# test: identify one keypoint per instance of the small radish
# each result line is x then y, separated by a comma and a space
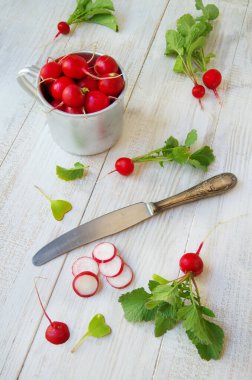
85, 264
124, 166
74, 110
113, 267
59, 85
104, 252
58, 105
56, 332
112, 84
73, 96
63, 28
51, 70
89, 83
191, 262
105, 65
198, 91
96, 101
76, 67
212, 79
123, 280
85, 284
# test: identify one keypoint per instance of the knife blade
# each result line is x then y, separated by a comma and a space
129, 216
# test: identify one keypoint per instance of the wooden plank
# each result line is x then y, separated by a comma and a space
26, 223
154, 112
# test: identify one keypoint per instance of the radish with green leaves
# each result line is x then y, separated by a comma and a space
169, 302
170, 152
188, 42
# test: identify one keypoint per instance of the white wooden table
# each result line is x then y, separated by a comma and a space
158, 104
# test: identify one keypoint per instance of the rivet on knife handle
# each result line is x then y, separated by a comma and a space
209, 188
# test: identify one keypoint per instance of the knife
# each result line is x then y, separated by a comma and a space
126, 217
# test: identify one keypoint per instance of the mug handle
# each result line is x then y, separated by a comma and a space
24, 82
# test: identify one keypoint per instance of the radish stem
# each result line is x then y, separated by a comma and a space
79, 343
43, 193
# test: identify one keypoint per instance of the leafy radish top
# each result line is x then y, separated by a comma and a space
187, 44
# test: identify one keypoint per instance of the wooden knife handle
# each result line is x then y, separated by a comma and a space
209, 188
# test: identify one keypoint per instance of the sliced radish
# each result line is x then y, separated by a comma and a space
104, 252
123, 279
85, 264
85, 284
113, 267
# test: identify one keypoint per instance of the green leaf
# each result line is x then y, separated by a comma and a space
191, 138
163, 324
211, 12
60, 208
184, 24
179, 65
105, 4
174, 42
199, 4
106, 20
199, 43
152, 284
133, 304
171, 142
98, 12
180, 154
208, 312
194, 322
77, 171
204, 156
167, 293
160, 280
97, 328
214, 348
196, 31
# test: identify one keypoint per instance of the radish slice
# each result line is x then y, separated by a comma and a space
104, 252
85, 284
123, 279
113, 267
85, 264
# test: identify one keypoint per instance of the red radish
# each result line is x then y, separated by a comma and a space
74, 110
124, 166
112, 84
104, 252
59, 85
89, 83
73, 96
105, 65
58, 105
212, 79
85, 264
96, 101
198, 91
85, 284
123, 279
56, 332
76, 67
112, 268
51, 70
63, 28
191, 262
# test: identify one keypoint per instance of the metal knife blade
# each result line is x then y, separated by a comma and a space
98, 228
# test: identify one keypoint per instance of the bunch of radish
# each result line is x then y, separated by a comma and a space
75, 85
105, 260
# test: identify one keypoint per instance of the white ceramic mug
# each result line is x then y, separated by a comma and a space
78, 134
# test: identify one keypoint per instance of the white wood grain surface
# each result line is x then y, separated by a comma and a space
158, 103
